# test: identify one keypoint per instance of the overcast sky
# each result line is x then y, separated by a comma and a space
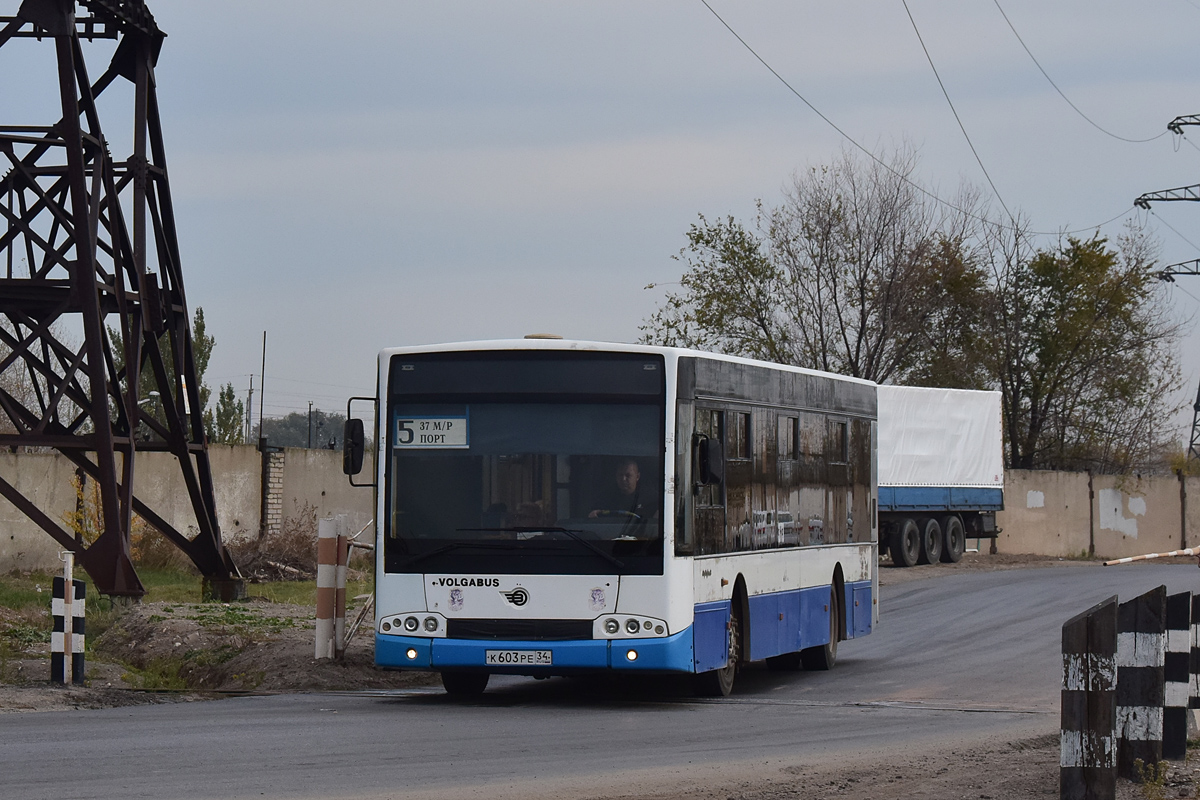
358, 175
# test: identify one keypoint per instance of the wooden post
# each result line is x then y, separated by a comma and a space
1176, 675
1141, 629
1088, 765
67, 606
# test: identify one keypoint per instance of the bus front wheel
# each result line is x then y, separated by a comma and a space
465, 684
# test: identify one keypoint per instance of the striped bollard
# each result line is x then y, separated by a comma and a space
333, 547
1141, 628
67, 638
339, 603
1088, 765
326, 586
1176, 676
1194, 669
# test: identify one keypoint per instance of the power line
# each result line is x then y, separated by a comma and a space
1045, 75
953, 110
1172, 227
880, 161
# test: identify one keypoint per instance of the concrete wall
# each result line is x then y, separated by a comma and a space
312, 476
1049, 513
1046, 513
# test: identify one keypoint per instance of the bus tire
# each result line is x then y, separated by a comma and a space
905, 544
955, 539
719, 682
931, 540
823, 656
465, 684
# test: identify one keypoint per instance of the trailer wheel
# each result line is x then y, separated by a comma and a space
905, 545
823, 656
955, 539
931, 541
465, 684
719, 682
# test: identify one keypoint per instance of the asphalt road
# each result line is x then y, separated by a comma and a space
964, 656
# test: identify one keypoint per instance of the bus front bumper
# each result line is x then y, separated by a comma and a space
666, 654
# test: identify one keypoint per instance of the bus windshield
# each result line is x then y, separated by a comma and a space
572, 485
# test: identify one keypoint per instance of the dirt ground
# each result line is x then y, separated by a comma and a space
180, 652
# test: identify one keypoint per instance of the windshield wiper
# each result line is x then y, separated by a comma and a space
501, 544
573, 534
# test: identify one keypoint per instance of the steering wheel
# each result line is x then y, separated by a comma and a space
612, 512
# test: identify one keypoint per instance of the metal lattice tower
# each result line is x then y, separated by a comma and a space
1168, 274
1188, 194
88, 251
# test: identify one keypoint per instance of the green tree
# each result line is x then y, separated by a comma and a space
292, 430
1083, 351
202, 347
229, 416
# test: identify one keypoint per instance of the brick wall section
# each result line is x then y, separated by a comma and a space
272, 500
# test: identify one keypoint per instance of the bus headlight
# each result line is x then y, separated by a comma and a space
411, 624
632, 626
411, 653
431, 624
631, 655
387, 626
612, 627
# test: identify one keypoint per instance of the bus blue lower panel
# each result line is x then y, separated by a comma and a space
669, 654
710, 626
785, 622
939, 498
858, 603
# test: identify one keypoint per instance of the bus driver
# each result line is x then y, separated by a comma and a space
625, 500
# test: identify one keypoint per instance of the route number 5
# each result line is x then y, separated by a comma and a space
403, 432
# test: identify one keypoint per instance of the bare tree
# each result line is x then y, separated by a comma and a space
858, 272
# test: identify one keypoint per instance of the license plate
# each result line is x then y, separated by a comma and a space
518, 658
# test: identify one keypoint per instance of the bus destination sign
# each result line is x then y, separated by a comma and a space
430, 433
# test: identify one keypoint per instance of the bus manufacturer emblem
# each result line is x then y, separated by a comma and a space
518, 596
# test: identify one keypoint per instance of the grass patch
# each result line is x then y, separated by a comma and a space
161, 674
304, 593
237, 618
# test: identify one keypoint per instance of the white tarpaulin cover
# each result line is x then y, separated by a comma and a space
940, 437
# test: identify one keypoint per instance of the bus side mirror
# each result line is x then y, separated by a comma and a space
712, 461
353, 445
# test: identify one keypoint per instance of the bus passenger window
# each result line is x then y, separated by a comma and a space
787, 438
739, 436
839, 443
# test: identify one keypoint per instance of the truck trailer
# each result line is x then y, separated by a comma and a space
941, 471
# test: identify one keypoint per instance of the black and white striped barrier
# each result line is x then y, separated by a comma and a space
67, 638
1194, 667
1141, 646
1089, 681
1176, 676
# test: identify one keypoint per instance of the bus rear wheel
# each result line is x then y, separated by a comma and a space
465, 684
719, 682
905, 545
822, 657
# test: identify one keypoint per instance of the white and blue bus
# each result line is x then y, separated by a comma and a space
552, 507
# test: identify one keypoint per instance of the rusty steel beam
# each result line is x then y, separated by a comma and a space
92, 308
